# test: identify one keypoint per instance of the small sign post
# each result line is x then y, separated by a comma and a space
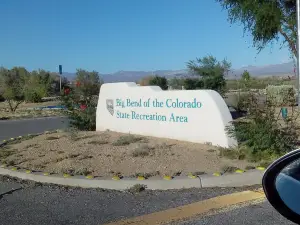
284, 112
60, 73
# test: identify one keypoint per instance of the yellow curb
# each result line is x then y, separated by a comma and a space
116, 178
46, 174
167, 178
140, 178
217, 174
239, 171
192, 176
66, 175
260, 168
89, 177
14, 169
28, 171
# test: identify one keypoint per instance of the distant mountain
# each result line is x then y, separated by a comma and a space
131, 76
284, 69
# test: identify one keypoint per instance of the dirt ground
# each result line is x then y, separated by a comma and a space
107, 153
24, 110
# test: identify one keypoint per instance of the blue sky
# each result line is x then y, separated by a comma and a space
113, 35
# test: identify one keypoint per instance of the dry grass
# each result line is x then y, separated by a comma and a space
107, 153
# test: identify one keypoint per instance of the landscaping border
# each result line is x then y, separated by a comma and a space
237, 179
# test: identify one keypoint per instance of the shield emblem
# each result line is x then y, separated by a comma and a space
110, 106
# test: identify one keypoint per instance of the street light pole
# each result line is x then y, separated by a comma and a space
60, 82
298, 52
60, 73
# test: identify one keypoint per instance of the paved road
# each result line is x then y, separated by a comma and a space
44, 204
13, 128
258, 214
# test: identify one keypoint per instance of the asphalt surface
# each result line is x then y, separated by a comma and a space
260, 214
14, 128
44, 204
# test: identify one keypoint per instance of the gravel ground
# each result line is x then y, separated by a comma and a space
106, 153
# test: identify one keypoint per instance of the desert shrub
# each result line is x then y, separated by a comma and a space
84, 119
137, 188
82, 171
242, 102
127, 140
162, 82
142, 150
229, 169
239, 100
262, 134
283, 95
98, 142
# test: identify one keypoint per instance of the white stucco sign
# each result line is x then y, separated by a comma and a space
190, 115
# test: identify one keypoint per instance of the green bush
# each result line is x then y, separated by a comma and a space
81, 102
262, 135
35, 94
283, 95
81, 113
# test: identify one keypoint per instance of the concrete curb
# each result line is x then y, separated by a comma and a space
203, 181
248, 178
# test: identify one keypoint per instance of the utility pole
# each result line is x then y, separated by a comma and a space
298, 52
60, 73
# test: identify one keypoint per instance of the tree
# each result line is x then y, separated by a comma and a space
38, 85
246, 79
210, 72
162, 82
89, 82
266, 20
12, 84
192, 83
246, 76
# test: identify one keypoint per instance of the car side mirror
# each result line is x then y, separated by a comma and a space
281, 184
